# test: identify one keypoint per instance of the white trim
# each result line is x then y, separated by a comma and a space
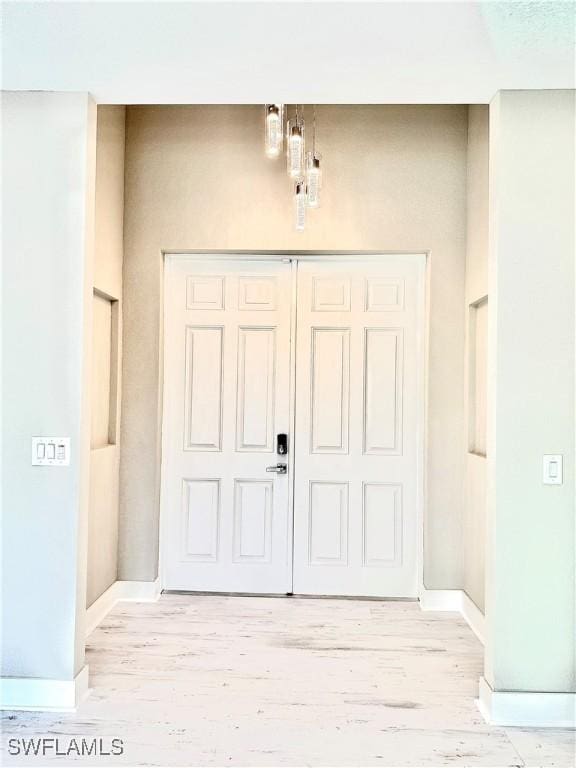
440, 599
128, 591
33, 694
527, 709
101, 607
422, 384
454, 600
320, 255
474, 617
139, 591
292, 416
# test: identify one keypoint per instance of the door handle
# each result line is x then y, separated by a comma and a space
281, 469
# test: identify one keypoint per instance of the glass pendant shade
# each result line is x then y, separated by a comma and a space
274, 129
295, 148
300, 205
304, 167
313, 179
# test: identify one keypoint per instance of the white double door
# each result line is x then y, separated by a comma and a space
324, 351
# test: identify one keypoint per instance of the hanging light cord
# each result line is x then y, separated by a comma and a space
313, 130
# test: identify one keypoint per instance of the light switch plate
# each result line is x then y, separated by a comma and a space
50, 451
552, 469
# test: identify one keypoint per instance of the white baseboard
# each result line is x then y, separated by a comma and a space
530, 710
132, 591
139, 591
454, 600
474, 616
101, 607
30, 694
441, 600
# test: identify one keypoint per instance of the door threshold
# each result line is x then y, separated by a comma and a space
291, 595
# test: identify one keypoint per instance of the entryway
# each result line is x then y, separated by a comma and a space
292, 427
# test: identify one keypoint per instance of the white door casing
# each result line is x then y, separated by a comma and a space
356, 492
231, 384
227, 521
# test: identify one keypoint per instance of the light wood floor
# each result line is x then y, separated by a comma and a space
237, 681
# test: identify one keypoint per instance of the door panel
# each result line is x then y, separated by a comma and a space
256, 393
356, 442
253, 520
330, 390
383, 368
226, 521
201, 513
382, 524
203, 388
328, 523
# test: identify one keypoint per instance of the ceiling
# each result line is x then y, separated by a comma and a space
309, 52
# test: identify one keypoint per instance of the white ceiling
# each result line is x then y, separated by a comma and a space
323, 52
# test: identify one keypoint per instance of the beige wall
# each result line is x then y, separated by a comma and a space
197, 178
474, 513
105, 453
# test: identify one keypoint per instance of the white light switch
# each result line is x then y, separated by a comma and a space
51, 451
552, 469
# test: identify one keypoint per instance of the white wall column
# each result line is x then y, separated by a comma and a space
48, 157
530, 670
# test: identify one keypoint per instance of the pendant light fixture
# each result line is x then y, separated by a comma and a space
313, 170
274, 129
303, 167
295, 147
300, 198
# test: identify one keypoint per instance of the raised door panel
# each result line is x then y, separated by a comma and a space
201, 513
383, 374
328, 523
330, 390
203, 389
257, 293
253, 521
256, 389
382, 524
205, 292
384, 294
330, 294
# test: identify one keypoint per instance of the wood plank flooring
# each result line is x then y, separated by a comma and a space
244, 681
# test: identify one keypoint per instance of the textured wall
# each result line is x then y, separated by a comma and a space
108, 253
474, 515
196, 177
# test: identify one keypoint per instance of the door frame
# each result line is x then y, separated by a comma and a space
422, 260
